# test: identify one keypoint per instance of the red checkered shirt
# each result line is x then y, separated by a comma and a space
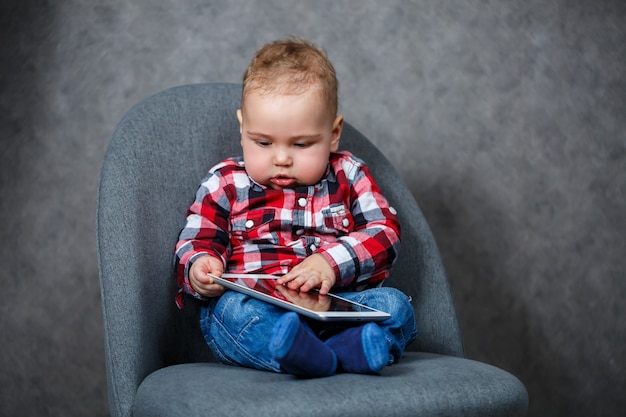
256, 229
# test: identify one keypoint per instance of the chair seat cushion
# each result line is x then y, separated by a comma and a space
421, 384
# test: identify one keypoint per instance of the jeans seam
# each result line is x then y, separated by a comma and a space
240, 348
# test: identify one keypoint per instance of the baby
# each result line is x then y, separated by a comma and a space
295, 206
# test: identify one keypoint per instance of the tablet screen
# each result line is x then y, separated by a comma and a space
312, 302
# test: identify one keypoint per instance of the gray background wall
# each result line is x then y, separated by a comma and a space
506, 118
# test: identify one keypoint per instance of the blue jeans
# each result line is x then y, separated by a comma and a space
238, 328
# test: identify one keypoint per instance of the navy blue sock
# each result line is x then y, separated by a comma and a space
361, 350
298, 351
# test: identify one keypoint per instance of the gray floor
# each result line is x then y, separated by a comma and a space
506, 118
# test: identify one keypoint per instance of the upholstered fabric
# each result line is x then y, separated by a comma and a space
159, 153
423, 384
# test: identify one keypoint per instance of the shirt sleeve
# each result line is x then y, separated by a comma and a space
205, 231
364, 257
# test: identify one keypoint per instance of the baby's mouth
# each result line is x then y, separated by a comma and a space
283, 181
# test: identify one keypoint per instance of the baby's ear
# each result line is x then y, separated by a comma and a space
336, 133
240, 118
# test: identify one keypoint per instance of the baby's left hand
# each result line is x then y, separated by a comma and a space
314, 272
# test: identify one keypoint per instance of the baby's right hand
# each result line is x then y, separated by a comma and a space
199, 279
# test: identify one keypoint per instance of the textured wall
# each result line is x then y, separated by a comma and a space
506, 119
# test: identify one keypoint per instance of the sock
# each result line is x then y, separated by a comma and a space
298, 351
360, 350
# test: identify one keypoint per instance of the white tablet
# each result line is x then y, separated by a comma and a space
311, 304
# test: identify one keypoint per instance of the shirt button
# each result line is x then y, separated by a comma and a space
249, 223
393, 210
300, 232
302, 202
345, 222
312, 247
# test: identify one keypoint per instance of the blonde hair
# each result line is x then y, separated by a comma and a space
292, 66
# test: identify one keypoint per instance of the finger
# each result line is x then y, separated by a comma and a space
203, 281
308, 284
288, 277
201, 288
215, 290
325, 287
216, 268
296, 283
201, 276
309, 281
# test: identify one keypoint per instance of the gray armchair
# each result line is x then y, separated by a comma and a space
156, 359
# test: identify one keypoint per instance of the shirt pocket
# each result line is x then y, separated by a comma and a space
337, 219
254, 225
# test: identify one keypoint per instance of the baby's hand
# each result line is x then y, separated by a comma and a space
201, 282
314, 272
311, 300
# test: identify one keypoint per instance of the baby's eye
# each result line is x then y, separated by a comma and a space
263, 143
301, 144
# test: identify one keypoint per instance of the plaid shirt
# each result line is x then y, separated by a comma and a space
256, 229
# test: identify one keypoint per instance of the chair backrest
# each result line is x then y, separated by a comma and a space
160, 151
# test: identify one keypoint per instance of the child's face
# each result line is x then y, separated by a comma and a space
287, 139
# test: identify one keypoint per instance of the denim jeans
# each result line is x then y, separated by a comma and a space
238, 327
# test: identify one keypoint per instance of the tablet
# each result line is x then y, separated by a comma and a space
312, 304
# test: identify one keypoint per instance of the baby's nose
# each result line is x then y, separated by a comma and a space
282, 157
